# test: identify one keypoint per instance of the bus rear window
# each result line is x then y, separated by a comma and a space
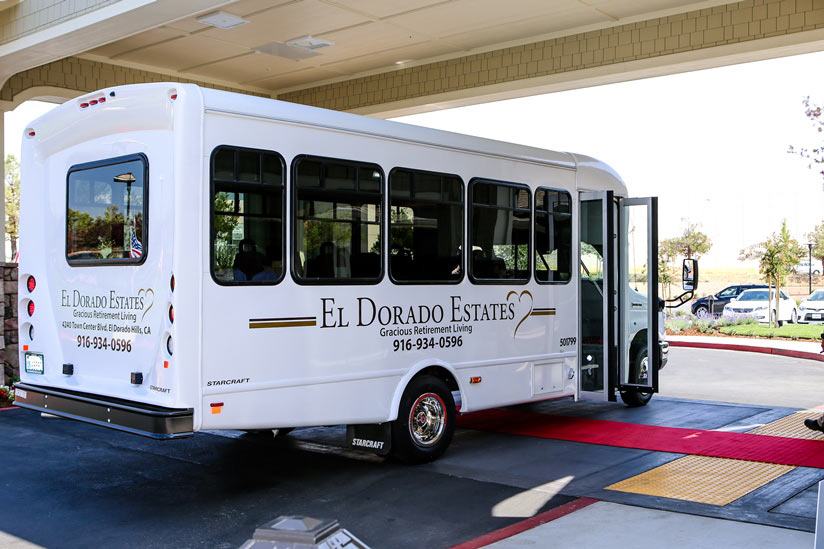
106, 217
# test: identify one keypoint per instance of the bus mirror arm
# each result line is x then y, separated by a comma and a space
680, 300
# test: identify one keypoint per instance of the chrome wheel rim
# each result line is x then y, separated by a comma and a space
644, 373
427, 420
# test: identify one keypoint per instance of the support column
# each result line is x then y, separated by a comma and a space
3, 179
6, 303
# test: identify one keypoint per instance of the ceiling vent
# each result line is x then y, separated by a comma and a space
308, 43
297, 49
222, 20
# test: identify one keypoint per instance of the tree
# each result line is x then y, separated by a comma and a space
817, 238
815, 154
12, 201
776, 256
691, 244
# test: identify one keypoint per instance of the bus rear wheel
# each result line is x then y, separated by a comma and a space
426, 421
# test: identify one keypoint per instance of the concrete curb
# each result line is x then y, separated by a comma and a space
751, 348
528, 524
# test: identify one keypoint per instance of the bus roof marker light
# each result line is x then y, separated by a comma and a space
29, 133
83, 105
93, 102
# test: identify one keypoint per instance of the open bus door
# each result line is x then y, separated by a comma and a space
618, 298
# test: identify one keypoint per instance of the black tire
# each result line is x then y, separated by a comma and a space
701, 310
634, 397
794, 317
426, 421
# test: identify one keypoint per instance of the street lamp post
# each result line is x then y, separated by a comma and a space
810, 271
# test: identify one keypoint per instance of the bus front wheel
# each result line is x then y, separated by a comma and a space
633, 397
426, 421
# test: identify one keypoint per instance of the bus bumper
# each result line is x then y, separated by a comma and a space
124, 415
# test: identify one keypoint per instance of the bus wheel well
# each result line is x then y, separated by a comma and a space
638, 342
440, 373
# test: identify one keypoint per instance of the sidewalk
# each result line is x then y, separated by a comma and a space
810, 350
605, 524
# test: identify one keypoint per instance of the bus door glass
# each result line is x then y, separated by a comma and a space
596, 294
638, 291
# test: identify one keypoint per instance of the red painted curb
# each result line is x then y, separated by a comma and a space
734, 347
528, 524
10, 408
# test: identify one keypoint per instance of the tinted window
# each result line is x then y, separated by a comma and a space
499, 237
247, 216
106, 214
425, 226
337, 221
553, 236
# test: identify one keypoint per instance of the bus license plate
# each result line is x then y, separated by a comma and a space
34, 363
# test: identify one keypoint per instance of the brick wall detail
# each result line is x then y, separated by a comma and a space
8, 343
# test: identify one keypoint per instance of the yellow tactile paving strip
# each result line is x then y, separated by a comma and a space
791, 426
715, 481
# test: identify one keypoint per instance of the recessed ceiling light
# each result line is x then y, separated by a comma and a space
403, 62
309, 43
222, 20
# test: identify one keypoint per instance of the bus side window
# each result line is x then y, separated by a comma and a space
500, 222
247, 190
425, 227
553, 236
337, 221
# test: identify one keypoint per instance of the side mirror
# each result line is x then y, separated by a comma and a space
689, 277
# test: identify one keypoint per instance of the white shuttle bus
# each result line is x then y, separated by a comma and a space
195, 259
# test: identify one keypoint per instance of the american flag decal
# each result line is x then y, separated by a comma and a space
136, 247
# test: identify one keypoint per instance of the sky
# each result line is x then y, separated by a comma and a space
711, 144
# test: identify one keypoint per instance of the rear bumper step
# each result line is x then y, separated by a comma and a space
124, 415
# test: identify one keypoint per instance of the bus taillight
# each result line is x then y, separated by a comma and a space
30, 308
171, 314
172, 283
31, 283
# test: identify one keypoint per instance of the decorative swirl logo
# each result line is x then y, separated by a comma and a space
520, 296
144, 292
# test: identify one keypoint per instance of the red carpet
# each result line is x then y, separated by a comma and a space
763, 448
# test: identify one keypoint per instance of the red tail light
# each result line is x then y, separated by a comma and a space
31, 283
172, 283
171, 314
30, 308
